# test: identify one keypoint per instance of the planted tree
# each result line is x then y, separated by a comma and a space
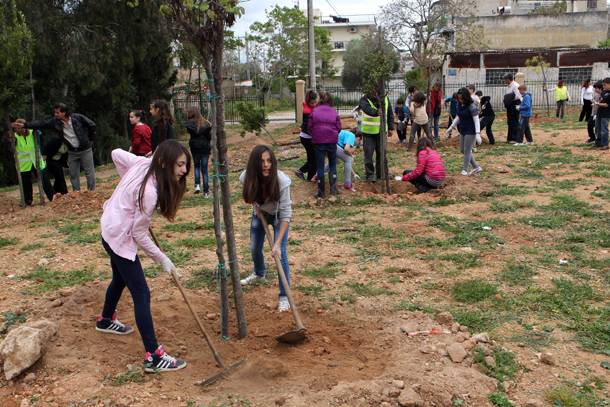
202, 23
429, 29
539, 63
252, 119
15, 62
369, 64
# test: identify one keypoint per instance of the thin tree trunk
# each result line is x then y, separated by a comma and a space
223, 169
11, 143
38, 169
221, 269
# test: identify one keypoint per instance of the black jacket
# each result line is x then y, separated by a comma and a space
84, 128
486, 109
366, 108
160, 134
200, 138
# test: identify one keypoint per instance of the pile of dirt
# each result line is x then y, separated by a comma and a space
78, 202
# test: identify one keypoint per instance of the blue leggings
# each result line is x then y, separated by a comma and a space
127, 273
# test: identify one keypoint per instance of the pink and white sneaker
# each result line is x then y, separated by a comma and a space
160, 361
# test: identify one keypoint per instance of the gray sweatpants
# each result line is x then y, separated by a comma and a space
84, 160
467, 141
348, 161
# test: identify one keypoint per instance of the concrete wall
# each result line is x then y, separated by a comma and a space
529, 31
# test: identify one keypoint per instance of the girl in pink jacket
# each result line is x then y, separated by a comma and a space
146, 184
430, 170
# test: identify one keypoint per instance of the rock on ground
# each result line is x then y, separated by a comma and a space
24, 345
409, 398
457, 352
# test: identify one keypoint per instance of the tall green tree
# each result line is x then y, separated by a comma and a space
15, 62
279, 41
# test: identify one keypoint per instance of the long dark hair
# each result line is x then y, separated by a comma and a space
326, 98
195, 115
164, 119
586, 83
257, 188
464, 93
424, 142
310, 97
169, 191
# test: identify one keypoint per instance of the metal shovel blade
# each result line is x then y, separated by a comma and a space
292, 337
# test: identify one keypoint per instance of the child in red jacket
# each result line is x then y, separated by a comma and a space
430, 170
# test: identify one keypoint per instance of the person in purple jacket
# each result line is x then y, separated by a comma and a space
146, 184
324, 126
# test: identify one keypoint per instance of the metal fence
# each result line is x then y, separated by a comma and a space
345, 100
182, 102
535, 88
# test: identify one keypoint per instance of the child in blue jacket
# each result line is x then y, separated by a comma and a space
525, 112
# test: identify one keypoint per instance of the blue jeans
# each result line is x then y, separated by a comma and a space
201, 165
322, 151
602, 139
257, 240
127, 273
434, 125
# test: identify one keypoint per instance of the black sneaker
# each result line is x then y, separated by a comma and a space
160, 361
300, 174
112, 326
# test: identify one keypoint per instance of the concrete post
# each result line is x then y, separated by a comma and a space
520, 78
299, 99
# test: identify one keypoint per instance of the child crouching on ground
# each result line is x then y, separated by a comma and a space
430, 170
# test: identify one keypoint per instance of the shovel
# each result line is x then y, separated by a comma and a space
297, 335
226, 370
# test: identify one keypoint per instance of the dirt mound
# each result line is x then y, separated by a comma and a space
78, 202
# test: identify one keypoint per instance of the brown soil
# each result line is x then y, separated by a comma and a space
353, 351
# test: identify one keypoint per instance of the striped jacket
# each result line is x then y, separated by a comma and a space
429, 163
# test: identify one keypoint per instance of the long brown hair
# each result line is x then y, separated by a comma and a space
195, 115
164, 119
424, 142
257, 188
169, 191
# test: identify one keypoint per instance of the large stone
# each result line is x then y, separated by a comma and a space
482, 337
24, 345
444, 318
409, 398
457, 352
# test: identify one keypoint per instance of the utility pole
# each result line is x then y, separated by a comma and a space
312, 46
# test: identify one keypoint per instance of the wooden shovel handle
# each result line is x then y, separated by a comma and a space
280, 269
217, 357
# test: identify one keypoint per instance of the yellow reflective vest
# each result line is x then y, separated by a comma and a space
561, 93
372, 124
26, 153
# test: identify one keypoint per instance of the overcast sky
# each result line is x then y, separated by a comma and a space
255, 9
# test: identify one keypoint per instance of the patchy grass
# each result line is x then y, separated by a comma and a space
499, 399
314, 290
194, 243
569, 395
188, 226
80, 233
510, 206
135, 374
329, 270
368, 290
477, 320
11, 318
201, 278
506, 367
472, 291
404, 305
516, 274
31, 246
8, 241
49, 280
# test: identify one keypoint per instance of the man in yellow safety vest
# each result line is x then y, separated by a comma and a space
26, 155
370, 129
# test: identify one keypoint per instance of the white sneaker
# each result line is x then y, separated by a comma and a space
529, 143
475, 171
197, 189
251, 279
283, 305
206, 195
464, 173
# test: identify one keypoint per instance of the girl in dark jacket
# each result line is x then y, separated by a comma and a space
309, 168
200, 131
163, 123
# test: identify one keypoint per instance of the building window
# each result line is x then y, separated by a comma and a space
496, 76
591, 4
339, 45
575, 75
